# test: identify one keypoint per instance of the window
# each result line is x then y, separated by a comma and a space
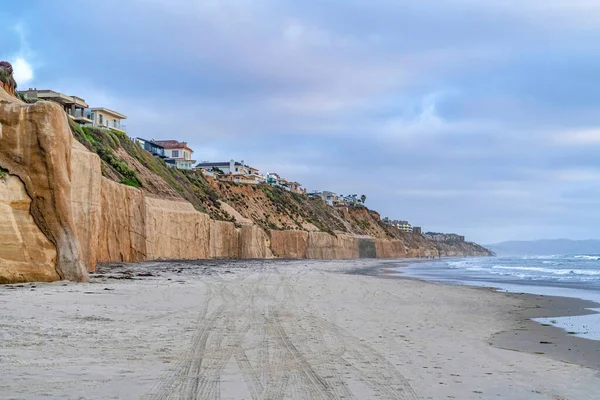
114, 123
174, 153
100, 119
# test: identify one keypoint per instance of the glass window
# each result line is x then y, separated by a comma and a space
100, 119
175, 153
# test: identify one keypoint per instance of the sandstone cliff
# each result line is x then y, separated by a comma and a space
66, 206
35, 147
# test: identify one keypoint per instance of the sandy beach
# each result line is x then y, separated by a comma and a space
283, 329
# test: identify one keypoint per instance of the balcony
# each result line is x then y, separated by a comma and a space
109, 125
78, 116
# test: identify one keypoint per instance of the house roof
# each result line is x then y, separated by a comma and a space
173, 144
47, 94
109, 111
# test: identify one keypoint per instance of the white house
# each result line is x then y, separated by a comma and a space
178, 153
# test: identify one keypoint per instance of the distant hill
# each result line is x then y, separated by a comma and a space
546, 247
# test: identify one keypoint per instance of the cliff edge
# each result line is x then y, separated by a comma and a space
35, 147
130, 206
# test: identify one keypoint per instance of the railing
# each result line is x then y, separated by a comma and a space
120, 127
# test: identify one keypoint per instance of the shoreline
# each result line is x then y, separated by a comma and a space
527, 335
300, 329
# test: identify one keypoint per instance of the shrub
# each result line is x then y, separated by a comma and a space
130, 182
103, 142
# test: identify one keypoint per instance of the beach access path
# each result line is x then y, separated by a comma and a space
268, 330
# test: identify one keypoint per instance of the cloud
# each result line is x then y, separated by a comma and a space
21, 59
578, 137
23, 72
466, 115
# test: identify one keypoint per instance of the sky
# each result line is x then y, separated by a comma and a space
468, 116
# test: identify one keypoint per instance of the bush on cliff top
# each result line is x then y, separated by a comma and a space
104, 143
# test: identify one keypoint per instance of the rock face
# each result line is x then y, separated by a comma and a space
35, 146
85, 201
122, 228
289, 244
175, 230
59, 216
25, 253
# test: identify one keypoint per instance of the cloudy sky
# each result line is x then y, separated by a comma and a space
470, 116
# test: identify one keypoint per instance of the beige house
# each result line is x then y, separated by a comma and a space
74, 106
106, 118
296, 187
241, 178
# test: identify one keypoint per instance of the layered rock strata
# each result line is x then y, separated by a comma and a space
59, 216
35, 146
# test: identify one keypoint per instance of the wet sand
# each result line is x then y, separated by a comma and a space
277, 329
537, 338
527, 335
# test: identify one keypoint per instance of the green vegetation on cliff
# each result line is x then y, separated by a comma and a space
104, 142
270, 207
127, 163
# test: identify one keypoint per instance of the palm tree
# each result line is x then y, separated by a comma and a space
363, 198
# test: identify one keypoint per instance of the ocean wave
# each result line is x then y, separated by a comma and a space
551, 271
549, 257
457, 264
585, 257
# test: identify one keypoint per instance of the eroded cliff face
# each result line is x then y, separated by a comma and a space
25, 252
85, 201
118, 223
59, 216
35, 146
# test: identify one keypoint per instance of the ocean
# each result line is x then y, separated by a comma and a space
576, 276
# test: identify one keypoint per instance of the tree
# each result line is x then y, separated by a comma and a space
363, 198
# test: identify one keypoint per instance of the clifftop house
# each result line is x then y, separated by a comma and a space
403, 226
228, 167
178, 153
78, 110
106, 118
329, 198
151, 146
232, 171
74, 106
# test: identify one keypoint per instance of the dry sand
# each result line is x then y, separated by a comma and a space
269, 330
